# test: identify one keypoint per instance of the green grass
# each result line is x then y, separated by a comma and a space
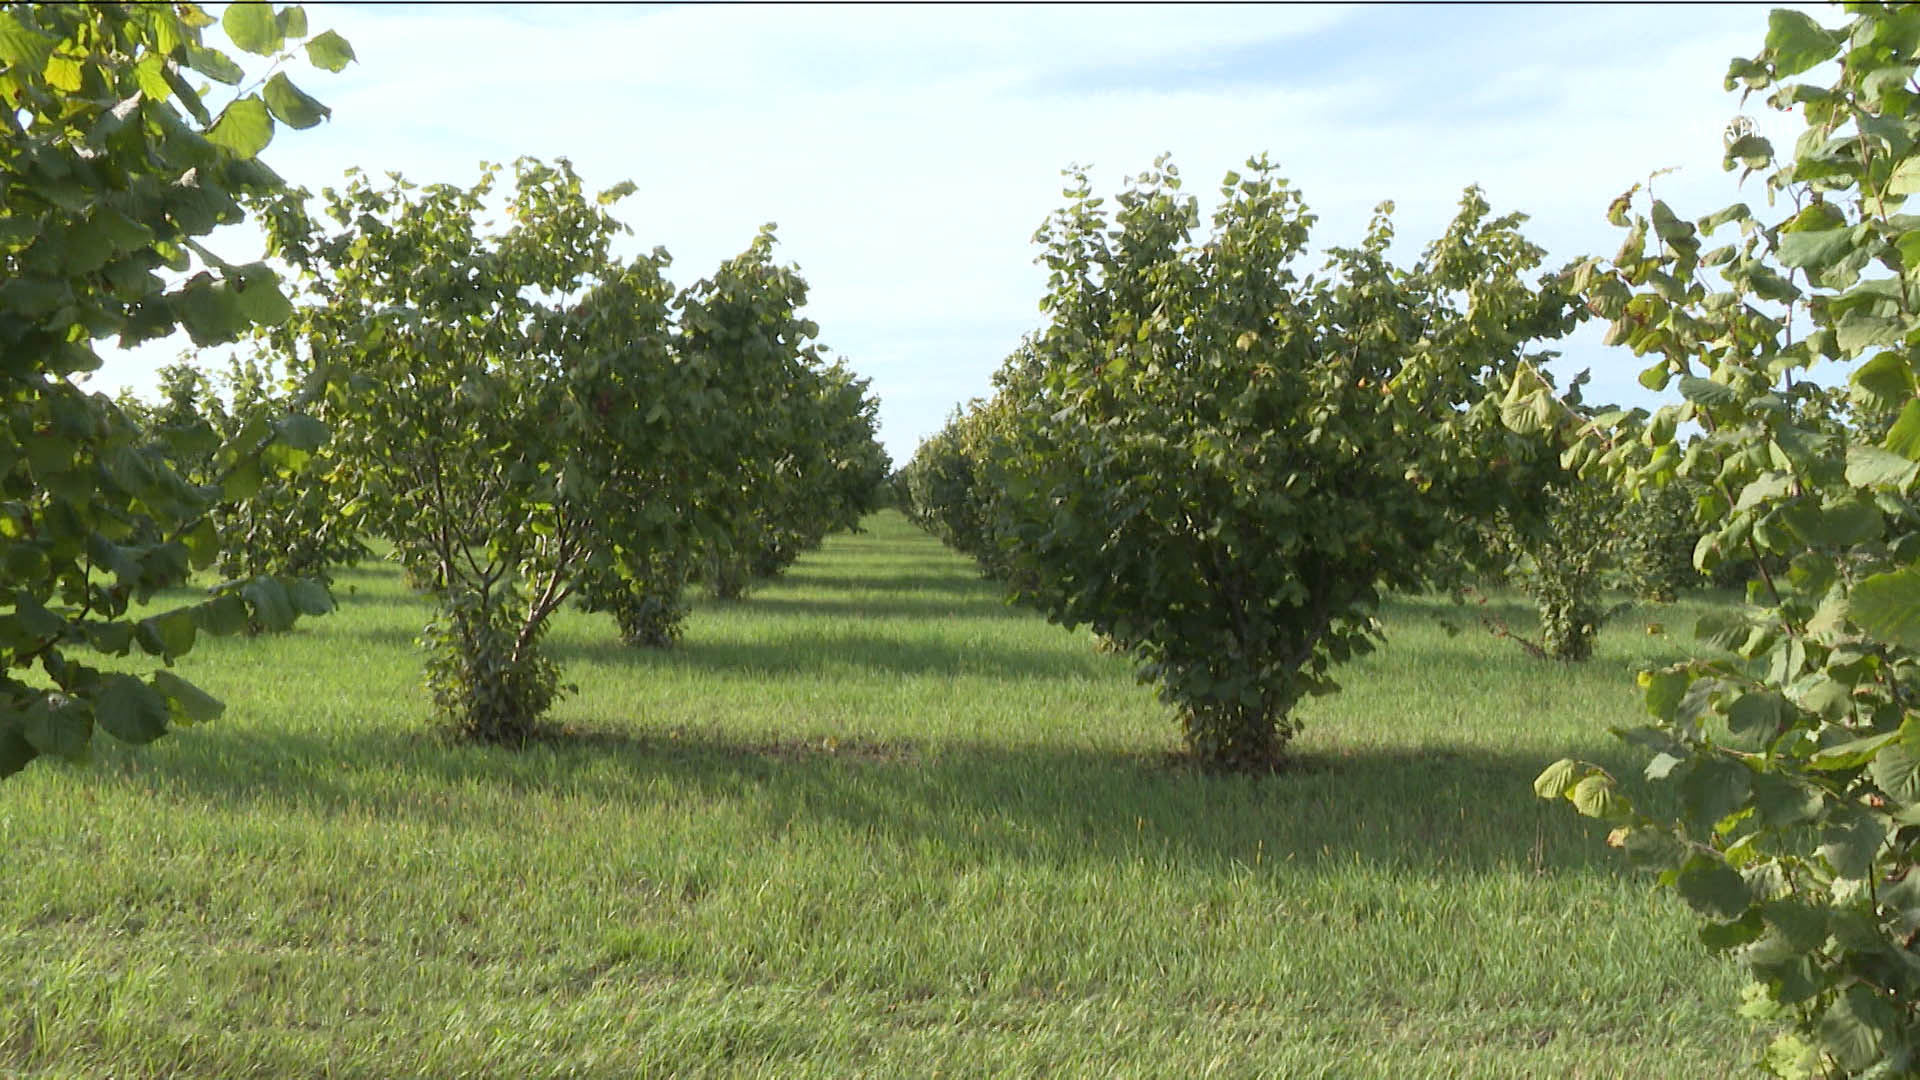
869, 821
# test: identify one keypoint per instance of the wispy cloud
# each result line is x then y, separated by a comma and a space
908, 153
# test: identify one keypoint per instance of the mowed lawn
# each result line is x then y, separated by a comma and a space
869, 821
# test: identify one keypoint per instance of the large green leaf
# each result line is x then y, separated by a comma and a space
1713, 888
1557, 779
309, 597
252, 27
1815, 249
173, 631
1872, 467
1857, 1026
1707, 392
330, 51
1859, 330
187, 703
1796, 42
1885, 380
300, 431
291, 105
23, 48
58, 725
1903, 437
1596, 797
1888, 606
1851, 841
1850, 754
271, 606
15, 751
129, 709
1896, 769
245, 127
1783, 801
261, 302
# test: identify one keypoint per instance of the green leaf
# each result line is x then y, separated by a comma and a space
21, 47
1850, 754
1557, 779
1896, 769
1595, 797
1721, 936
1714, 789
1857, 1025
244, 129
253, 27
214, 64
1872, 467
1852, 842
1905, 180
301, 432
187, 703
310, 597
1707, 392
1663, 691
1888, 606
1796, 42
1764, 489
1859, 330
1842, 524
330, 51
1735, 212
174, 630
58, 725
34, 618
291, 105
1713, 888
1815, 249
261, 302
223, 615
272, 608
1885, 380
1904, 437
1720, 629
1782, 801
15, 751
1759, 714
130, 710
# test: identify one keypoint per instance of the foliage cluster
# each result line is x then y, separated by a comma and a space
112, 166
1795, 755
1221, 464
529, 420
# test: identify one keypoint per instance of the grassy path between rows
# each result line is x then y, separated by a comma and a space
869, 821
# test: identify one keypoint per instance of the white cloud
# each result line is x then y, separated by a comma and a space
908, 153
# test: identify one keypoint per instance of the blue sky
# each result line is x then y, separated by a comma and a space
908, 153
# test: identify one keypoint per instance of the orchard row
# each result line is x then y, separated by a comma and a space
524, 419
1221, 462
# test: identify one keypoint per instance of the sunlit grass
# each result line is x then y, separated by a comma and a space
868, 821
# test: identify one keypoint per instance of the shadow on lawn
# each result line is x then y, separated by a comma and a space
816, 652
1452, 810
967, 587
964, 607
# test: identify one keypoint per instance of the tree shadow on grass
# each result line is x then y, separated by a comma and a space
974, 588
966, 607
815, 652
1447, 811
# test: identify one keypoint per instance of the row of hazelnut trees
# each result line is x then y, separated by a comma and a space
1221, 464
524, 419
